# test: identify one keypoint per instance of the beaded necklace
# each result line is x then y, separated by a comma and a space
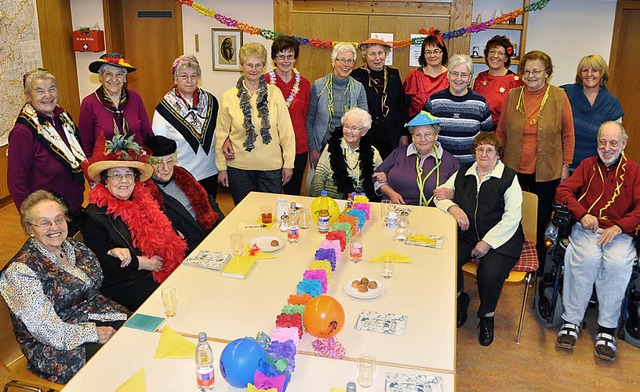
520, 106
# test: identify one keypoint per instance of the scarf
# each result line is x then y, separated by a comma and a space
196, 194
71, 156
341, 178
262, 103
151, 230
120, 124
378, 81
195, 123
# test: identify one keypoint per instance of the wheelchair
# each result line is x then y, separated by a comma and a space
548, 297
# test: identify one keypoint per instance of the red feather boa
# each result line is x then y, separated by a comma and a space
150, 228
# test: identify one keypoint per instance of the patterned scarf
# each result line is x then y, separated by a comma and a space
120, 124
262, 103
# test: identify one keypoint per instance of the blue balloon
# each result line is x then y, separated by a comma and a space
239, 361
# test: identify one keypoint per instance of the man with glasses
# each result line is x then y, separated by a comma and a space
463, 113
603, 195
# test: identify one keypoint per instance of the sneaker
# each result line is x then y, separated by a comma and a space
568, 336
605, 346
485, 333
463, 305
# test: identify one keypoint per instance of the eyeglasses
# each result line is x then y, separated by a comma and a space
111, 75
118, 177
482, 150
283, 57
494, 52
185, 77
533, 72
461, 75
430, 52
345, 61
161, 162
612, 143
47, 224
423, 135
352, 128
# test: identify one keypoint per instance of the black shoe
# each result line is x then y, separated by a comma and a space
463, 305
485, 333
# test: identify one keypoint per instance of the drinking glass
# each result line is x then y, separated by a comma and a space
305, 218
169, 301
266, 214
384, 210
366, 370
387, 265
237, 244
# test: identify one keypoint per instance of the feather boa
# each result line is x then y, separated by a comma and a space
196, 194
341, 178
150, 229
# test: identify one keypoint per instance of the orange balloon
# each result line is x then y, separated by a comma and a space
323, 316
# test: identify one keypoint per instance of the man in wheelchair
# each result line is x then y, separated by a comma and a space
603, 195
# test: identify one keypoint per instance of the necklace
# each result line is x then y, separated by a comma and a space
296, 84
521, 108
485, 173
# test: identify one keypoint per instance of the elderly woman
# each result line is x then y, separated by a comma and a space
486, 203
124, 225
331, 96
192, 211
44, 148
495, 83
112, 108
347, 164
411, 173
187, 114
536, 130
51, 287
431, 76
463, 113
385, 96
263, 161
592, 104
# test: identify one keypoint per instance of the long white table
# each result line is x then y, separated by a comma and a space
424, 290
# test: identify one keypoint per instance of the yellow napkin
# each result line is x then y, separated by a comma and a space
252, 388
259, 221
259, 254
397, 257
173, 345
137, 383
421, 238
336, 389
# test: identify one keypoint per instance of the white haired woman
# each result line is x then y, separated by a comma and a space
331, 96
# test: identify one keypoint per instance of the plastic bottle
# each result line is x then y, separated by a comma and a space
355, 250
392, 219
323, 213
402, 227
351, 386
293, 224
204, 365
348, 208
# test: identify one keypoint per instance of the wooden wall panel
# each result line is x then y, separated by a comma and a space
4, 188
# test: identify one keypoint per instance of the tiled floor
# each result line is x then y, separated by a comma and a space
535, 364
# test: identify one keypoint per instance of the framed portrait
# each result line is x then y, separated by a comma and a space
226, 49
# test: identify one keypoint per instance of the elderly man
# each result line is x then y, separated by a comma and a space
192, 211
603, 196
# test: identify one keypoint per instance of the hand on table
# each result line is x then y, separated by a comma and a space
122, 254
460, 217
105, 333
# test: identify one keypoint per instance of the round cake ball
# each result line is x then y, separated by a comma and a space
275, 242
355, 284
362, 288
373, 285
364, 281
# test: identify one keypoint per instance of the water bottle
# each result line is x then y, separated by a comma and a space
204, 365
293, 224
351, 386
323, 213
402, 227
392, 219
355, 250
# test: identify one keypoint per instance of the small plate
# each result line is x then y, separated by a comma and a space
264, 243
372, 293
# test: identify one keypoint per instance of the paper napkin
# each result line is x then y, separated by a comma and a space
173, 345
397, 257
137, 383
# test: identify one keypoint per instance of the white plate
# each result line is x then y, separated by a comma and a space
372, 293
264, 243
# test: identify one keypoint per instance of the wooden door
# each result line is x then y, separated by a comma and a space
623, 79
149, 34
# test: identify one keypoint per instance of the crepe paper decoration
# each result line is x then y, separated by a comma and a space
329, 348
290, 309
294, 320
324, 265
313, 287
254, 250
263, 382
360, 215
366, 207
173, 345
341, 226
281, 355
327, 254
136, 383
320, 275
351, 220
252, 388
283, 334
360, 198
396, 256
272, 372
340, 235
300, 299
335, 245
263, 339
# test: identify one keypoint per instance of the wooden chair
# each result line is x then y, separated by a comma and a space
525, 269
13, 365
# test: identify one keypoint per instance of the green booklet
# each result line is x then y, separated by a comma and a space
144, 322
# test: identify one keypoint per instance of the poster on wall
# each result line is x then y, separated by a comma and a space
386, 37
414, 51
226, 49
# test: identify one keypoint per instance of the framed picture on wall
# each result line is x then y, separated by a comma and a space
226, 49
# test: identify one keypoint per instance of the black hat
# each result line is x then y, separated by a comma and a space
160, 146
113, 59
